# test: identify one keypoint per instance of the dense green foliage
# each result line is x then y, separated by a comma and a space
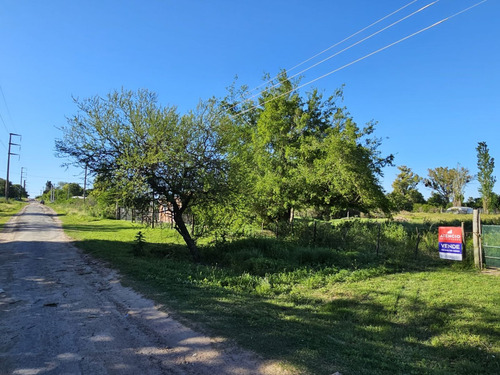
308, 152
16, 191
448, 184
64, 191
139, 149
228, 162
485, 165
321, 300
405, 193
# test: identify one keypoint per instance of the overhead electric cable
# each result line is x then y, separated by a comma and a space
3, 122
6, 106
368, 55
54, 177
338, 43
347, 48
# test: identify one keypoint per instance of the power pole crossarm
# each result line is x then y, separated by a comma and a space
8, 162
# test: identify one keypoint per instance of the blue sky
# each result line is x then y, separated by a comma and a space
435, 95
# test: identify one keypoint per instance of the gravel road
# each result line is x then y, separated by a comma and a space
62, 312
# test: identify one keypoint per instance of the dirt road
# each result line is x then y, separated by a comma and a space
61, 312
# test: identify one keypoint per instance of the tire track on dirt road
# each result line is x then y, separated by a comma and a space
63, 312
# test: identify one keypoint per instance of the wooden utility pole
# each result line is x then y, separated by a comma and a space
23, 175
476, 235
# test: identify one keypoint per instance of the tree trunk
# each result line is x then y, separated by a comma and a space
180, 226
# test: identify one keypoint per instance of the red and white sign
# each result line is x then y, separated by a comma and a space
450, 243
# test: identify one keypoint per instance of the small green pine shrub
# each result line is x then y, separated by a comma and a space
138, 248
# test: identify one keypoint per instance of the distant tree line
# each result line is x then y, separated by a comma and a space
62, 191
448, 185
16, 191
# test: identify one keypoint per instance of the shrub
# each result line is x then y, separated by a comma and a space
138, 248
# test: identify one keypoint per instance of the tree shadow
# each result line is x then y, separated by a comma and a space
95, 227
353, 336
348, 333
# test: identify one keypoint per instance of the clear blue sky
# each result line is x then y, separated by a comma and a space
435, 95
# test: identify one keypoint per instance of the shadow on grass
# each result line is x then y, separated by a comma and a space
6, 214
350, 336
382, 331
95, 227
113, 250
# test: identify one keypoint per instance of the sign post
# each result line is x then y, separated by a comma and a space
450, 243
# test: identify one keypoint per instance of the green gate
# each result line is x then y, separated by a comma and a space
491, 245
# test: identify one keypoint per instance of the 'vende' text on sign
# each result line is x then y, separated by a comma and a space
450, 243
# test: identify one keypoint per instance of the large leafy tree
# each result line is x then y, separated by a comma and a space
405, 192
406, 180
485, 165
274, 146
448, 183
129, 140
440, 180
306, 151
344, 167
460, 180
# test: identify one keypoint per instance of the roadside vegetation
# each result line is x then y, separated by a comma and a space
332, 304
262, 218
9, 208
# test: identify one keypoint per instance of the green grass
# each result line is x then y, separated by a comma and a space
318, 309
7, 209
445, 218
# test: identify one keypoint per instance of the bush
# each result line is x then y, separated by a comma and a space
425, 207
138, 248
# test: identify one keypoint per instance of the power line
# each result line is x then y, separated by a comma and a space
368, 55
6, 106
65, 178
4, 125
338, 43
347, 48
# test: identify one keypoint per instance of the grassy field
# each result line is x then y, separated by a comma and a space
317, 309
7, 209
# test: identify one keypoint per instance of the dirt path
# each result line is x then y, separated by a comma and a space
61, 312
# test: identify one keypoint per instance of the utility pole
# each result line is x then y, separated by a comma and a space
23, 171
8, 162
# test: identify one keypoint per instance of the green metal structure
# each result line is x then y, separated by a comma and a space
491, 245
